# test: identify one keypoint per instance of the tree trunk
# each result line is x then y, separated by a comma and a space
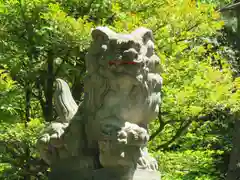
233, 172
27, 113
49, 89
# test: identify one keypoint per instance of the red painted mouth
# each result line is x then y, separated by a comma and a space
120, 62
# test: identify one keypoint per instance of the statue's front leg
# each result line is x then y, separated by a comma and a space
122, 147
146, 161
50, 142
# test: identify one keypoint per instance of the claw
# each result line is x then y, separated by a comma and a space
147, 162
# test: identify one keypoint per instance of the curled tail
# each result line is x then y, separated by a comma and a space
66, 107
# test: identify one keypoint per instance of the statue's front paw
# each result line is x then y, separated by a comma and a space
53, 133
147, 162
132, 134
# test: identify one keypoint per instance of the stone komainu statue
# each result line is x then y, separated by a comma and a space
108, 130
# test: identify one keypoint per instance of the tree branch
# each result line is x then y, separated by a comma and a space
179, 132
183, 129
230, 7
161, 127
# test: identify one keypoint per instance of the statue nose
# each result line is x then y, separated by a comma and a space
130, 54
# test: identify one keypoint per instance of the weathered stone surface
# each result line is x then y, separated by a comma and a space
105, 174
107, 134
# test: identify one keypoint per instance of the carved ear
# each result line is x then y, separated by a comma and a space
144, 33
102, 34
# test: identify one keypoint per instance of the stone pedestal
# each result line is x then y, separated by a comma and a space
104, 174
146, 175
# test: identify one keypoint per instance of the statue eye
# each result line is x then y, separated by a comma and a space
124, 47
137, 47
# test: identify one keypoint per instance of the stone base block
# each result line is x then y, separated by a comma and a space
105, 174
